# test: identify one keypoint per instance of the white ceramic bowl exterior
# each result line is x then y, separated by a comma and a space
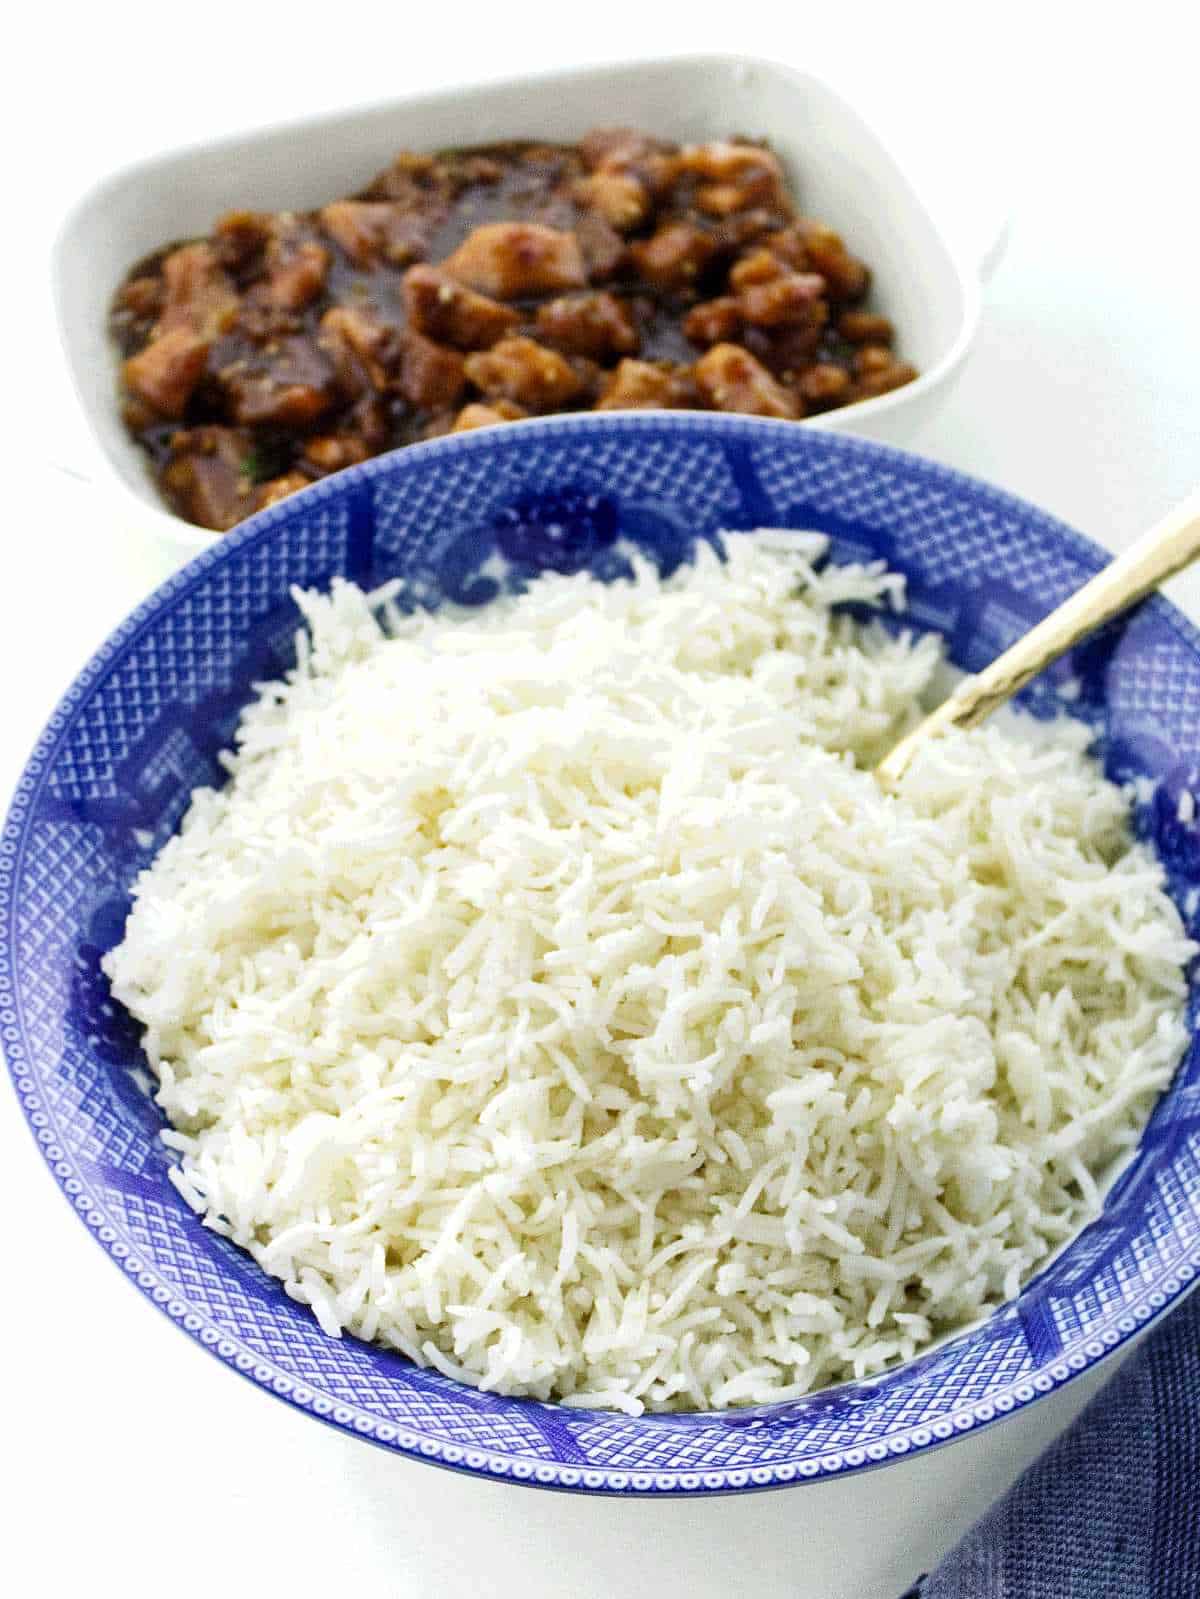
838, 164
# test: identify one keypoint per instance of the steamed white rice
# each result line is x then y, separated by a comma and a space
552, 995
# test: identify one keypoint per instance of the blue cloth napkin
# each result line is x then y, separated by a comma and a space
1112, 1510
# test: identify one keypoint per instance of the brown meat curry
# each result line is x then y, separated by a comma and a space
482, 286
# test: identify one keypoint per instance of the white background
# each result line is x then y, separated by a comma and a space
137, 1461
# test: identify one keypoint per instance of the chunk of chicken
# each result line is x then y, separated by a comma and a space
515, 260
620, 198
632, 154
792, 298
826, 253
713, 321
198, 294
376, 230
787, 246
865, 327
613, 148
869, 358
760, 265
675, 255
788, 350
478, 415
604, 250
727, 160
208, 477
330, 452
730, 379
278, 488
877, 371
166, 372
444, 310
362, 346
431, 376
884, 380
646, 386
597, 325
289, 383
408, 179
296, 273
141, 297
241, 237
824, 384
746, 229
740, 177
522, 370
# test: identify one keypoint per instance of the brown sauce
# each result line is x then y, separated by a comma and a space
480, 286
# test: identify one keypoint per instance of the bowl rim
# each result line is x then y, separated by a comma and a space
1124, 1324
153, 513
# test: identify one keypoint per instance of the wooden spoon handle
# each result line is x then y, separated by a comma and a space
1167, 548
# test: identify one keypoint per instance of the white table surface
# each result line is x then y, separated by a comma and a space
135, 1460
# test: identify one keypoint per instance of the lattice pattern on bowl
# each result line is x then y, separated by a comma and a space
143, 723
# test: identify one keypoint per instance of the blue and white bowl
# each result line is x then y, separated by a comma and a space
142, 725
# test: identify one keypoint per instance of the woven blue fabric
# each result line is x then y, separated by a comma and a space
1112, 1510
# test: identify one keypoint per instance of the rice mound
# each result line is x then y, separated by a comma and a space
552, 994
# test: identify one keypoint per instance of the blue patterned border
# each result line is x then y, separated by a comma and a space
139, 727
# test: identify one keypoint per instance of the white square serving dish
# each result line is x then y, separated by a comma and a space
838, 165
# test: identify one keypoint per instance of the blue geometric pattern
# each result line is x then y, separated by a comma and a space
458, 518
